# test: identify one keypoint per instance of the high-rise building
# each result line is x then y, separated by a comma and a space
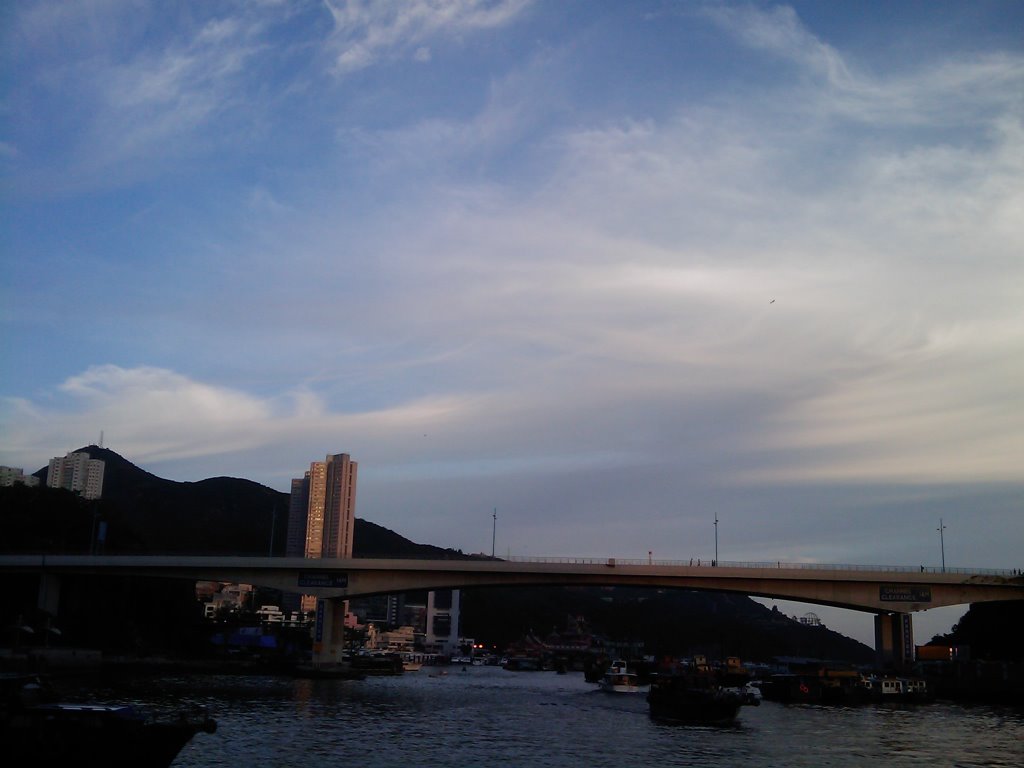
298, 507
322, 511
77, 472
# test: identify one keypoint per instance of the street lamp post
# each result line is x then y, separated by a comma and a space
716, 538
942, 544
494, 530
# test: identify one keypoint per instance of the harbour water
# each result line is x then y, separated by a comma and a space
486, 717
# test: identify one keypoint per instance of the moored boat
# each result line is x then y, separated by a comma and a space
895, 689
37, 729
845, 687
618, 678
377, 663
693, 693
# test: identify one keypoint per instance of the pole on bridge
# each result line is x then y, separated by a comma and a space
494, 531
942, 544
716, 538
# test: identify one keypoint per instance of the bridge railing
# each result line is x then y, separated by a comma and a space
777, 564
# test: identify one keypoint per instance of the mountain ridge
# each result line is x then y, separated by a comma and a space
225, 516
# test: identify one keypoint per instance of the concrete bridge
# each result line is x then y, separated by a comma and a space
892, 593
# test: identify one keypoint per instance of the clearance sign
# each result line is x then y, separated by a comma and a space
319, 579
904, 593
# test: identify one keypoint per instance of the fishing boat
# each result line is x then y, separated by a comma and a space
823, 685
692, 692
37, 729
618, 678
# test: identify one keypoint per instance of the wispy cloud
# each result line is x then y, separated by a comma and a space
914, 95
366, 31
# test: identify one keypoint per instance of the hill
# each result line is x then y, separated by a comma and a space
992, 631
669, 622
146, 514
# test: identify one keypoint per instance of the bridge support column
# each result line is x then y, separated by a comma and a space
894, 640
329, 631
48, 599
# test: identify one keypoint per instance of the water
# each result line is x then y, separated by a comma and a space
487, 717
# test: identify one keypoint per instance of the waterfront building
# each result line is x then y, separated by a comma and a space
400, 640
383, 610
77, 472
442, 635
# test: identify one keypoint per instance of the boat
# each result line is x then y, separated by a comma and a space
895, 689
734, 676
843, 686
692, 692
618, 678
377, 663
751, 693
38, 729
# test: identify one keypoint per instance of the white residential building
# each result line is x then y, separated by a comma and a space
77, 472
12, 475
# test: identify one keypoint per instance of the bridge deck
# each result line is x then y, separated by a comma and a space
879, 589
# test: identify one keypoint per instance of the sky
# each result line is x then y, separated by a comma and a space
564, 278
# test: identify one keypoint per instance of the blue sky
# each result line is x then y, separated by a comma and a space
608, 268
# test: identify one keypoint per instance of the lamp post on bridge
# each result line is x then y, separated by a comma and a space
716, 539
942, 544
494, 531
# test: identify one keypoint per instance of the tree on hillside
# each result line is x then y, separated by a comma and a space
993, 631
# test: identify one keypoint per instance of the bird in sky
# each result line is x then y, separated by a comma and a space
772, 301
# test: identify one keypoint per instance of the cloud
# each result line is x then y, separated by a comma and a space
155, 412
779, 31
365, 32
555, 298
919, 97
156, 415
124, 103
653, 248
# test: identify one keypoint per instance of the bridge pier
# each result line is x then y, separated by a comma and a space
48, 599
329, 631
894, 640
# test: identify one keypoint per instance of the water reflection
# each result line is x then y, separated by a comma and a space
488, 717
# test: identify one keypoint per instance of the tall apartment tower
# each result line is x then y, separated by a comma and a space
77, 472
322, 511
